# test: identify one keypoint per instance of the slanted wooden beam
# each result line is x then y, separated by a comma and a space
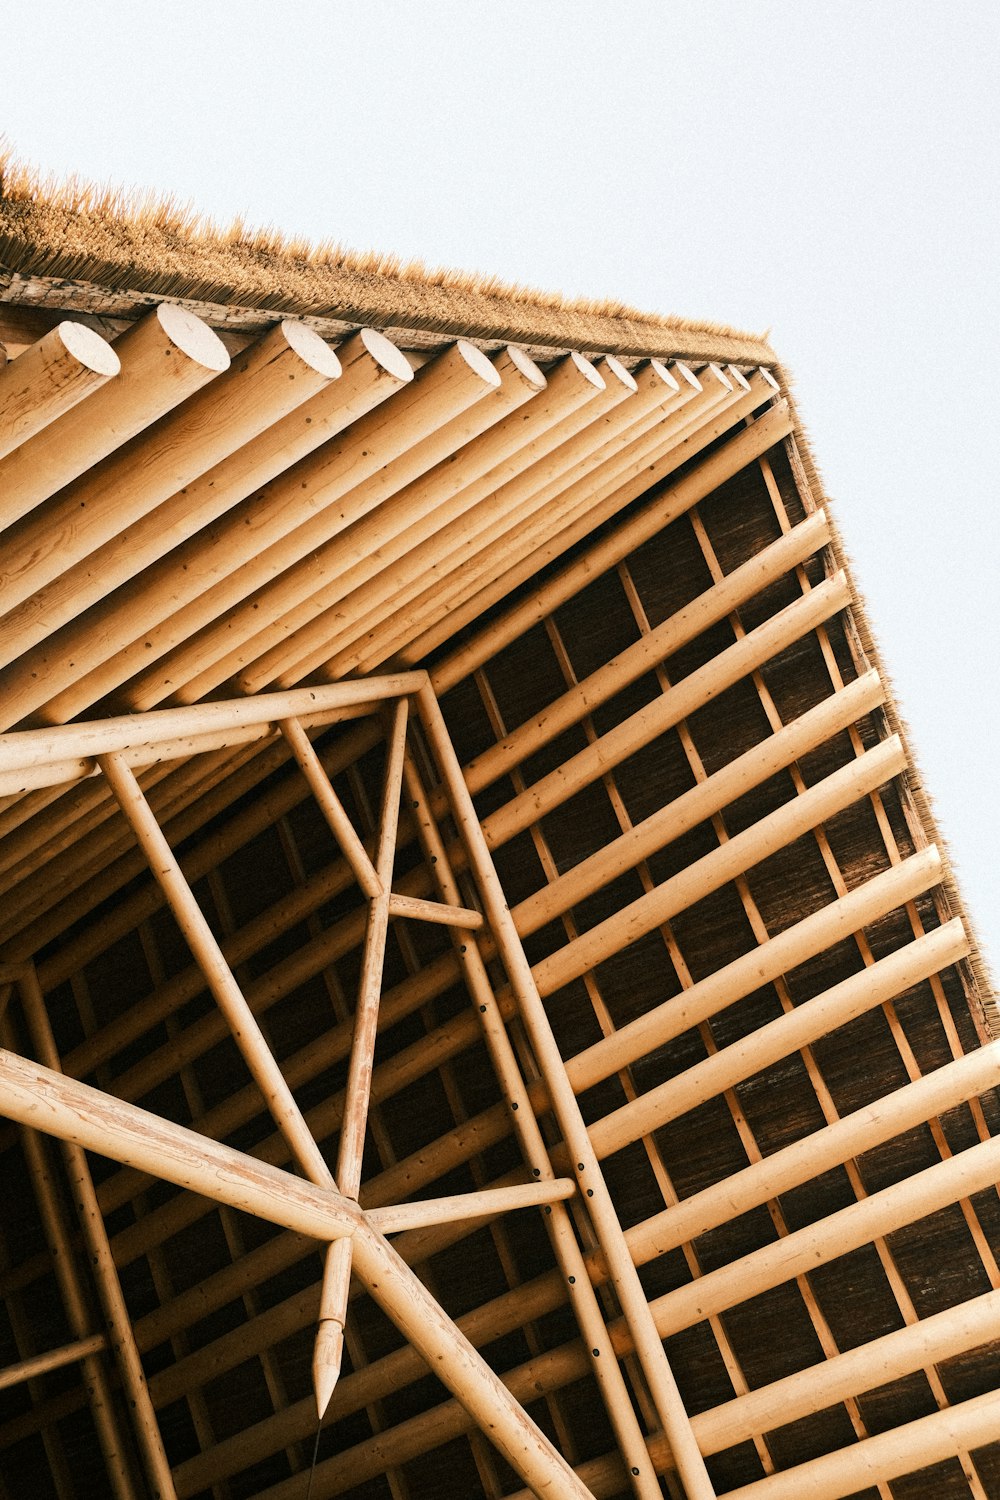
607, 1226
165, 357
464, 1208
48, 379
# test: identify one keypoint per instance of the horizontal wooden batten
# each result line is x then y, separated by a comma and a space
777, 1039
779, 955
876, 1460
739, 854
53, 1359
47, 380
676, 631
665, 712
940, 1336
701, 802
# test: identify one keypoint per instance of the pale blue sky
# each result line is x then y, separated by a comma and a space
828, 170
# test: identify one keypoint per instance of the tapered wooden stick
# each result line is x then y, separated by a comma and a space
53, 1359
165, 357
116, 1313
467, 1207
48, 379
350, 1151
606, 1224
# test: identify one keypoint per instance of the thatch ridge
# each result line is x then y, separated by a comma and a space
155, 245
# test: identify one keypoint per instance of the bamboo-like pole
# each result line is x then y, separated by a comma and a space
329, 1348
917, 1346
332, 808
718, 601
165, 357
53, 1359
774, 831
468, 1207
112, 736
678, 702
779, 955
635, 1308
574, 1277
48, 379
91, 537
102, 646
615, 482
383, 562
322, 552
303, 507
64, 1262
741, 449
122, 1339
700, 802
786, 1034
201, 940
876, 1460
936, 1187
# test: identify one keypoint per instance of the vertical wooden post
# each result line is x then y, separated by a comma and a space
337, 1271
663, 1388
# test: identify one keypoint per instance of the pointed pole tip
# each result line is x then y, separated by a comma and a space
327, 1358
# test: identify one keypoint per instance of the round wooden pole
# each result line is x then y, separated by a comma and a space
50, 378
165, 357
102, 647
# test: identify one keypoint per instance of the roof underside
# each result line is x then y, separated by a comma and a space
633, 611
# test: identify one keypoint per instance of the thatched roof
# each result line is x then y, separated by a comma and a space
697, 795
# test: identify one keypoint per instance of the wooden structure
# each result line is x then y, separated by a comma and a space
476, 956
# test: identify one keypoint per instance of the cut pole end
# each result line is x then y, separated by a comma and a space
619, 371
384, 352
193, 337
664, 374
311, 349
88, 348
688, 375
588, 370
526, 367
476, 360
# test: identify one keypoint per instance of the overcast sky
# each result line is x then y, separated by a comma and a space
825, 170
